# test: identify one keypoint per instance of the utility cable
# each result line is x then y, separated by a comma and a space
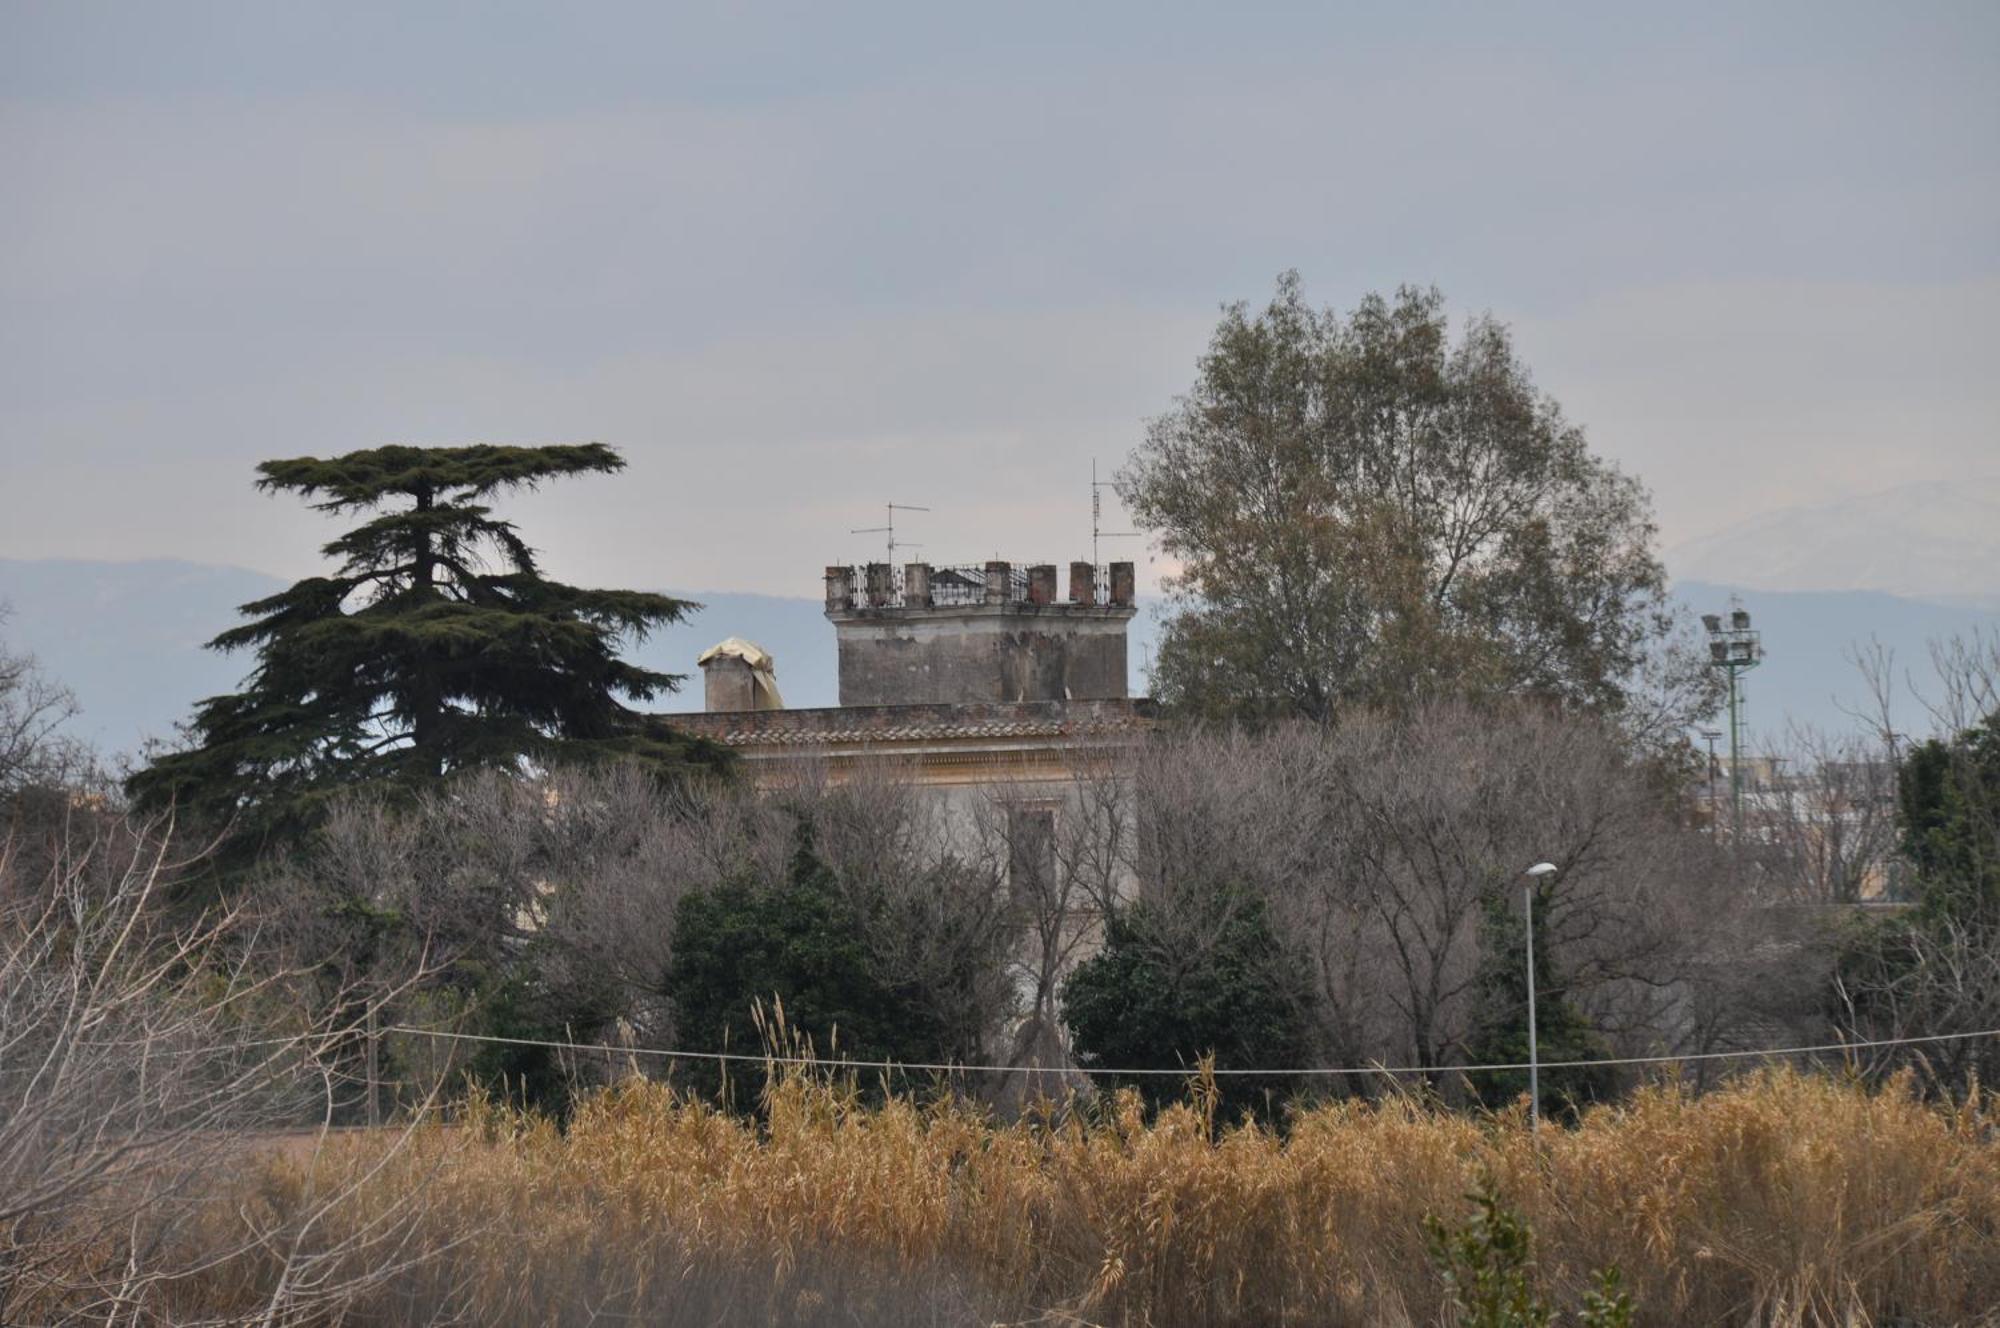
1183, 1072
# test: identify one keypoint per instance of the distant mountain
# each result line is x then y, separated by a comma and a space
127, 637
1934, 542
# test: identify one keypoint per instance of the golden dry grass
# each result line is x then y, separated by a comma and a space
1783, 1198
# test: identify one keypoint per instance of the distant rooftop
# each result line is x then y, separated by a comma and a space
978, 733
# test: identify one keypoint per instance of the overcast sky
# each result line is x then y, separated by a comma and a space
800, 261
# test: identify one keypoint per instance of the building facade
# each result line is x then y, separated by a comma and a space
1005, 704
954, 677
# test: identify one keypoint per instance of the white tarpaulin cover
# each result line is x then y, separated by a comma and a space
763, 670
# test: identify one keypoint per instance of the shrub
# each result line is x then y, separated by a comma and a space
796, 946
1156, 998
1488, 1269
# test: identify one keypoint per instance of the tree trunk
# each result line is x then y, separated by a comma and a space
426, 693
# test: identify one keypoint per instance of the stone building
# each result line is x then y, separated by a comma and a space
1004, 701
977, 676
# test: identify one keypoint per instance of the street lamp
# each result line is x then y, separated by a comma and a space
1541, 871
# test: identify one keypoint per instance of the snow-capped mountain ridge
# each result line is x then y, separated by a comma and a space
1936, 542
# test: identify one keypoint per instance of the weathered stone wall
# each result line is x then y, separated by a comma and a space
974, 634
988, 652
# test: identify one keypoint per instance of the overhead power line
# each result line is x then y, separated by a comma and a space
1182, 1072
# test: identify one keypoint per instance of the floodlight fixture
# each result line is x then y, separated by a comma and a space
1734, 649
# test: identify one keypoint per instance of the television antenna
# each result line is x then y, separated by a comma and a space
1097, 488
889, 528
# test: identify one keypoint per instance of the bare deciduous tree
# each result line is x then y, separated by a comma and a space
33, 709
1938, 979
1061, 852
142, 1057
1934, 971
1826, 823
1381, 844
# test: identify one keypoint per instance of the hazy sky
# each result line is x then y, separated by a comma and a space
798, 261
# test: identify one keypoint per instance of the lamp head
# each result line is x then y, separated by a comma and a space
1541, 870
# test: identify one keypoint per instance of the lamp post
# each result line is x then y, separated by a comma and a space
1541, 871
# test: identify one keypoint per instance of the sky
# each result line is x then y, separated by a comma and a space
799, 261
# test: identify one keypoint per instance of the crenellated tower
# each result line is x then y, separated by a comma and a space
982, 633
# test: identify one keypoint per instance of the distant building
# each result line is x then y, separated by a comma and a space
1002, 697
1827, 827
980, 675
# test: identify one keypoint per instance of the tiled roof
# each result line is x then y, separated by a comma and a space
837, 726
914, 733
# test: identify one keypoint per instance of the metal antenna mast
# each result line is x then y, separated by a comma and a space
890, 528
1097, 488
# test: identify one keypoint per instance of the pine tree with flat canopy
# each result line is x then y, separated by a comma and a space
438, 647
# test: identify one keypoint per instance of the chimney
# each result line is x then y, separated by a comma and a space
839, 589
1082, 583
917, 586
739, 675
726, 685
880, 586
999, 578
1042, 583
1123, 584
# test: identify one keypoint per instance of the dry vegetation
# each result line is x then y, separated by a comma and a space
171, 1067
1783, 1198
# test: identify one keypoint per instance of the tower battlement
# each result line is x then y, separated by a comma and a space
991, 632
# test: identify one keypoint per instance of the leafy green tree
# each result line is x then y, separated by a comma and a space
1156, 997
1364, 511
796, 945
435, 648
1936, 968
1948, 800
1562, 1031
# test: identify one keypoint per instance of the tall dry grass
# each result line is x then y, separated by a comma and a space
1783, 1198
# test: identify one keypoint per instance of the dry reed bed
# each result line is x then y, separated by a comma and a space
1784, 1198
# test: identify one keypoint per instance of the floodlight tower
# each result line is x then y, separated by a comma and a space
1734, 649
1714, 814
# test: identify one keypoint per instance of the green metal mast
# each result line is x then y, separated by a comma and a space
1735, 649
